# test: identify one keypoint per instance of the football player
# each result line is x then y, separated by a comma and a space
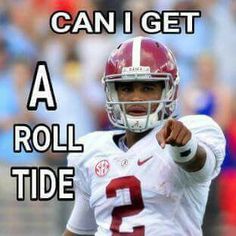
152, 176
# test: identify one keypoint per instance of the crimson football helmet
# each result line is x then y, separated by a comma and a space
141, 59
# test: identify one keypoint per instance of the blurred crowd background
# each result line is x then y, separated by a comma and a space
207, 64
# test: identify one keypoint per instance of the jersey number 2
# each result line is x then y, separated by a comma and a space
136, 206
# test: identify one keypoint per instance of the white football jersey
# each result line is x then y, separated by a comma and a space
141, 191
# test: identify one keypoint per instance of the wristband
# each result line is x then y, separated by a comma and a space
184, 153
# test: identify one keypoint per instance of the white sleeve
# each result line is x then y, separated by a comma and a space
82, 219
211, 138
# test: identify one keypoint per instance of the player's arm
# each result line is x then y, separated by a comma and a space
68, 233
184, 147
81, 221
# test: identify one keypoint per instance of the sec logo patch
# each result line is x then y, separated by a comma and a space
102, 168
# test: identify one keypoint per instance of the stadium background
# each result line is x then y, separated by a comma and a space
206, 61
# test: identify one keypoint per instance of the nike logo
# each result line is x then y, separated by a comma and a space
143, 161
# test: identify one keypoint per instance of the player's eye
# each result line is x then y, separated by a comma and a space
147, 88
126, 88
